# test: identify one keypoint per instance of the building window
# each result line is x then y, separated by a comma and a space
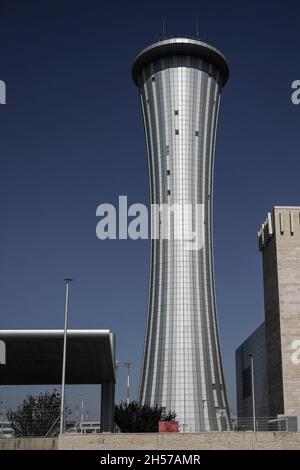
168, 172
176, 131
246, 382
153, 78
169, 192
167, 149
197, 133
176, 112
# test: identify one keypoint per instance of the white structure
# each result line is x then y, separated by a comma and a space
34, 357
180, 82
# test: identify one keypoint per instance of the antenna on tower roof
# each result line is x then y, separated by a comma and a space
197, 28
163, 27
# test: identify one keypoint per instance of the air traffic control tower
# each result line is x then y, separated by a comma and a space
180, 82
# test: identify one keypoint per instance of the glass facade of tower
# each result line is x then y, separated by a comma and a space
180, 82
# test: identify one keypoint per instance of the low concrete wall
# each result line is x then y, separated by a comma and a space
181, 441
28, 443
163, 441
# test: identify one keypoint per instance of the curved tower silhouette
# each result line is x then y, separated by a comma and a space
180, 82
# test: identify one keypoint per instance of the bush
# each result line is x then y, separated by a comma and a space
36, 415
134, 417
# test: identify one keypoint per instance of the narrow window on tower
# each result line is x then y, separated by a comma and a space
176, 112
197, 133
281, 222
168, 172
176, 131
291, 223
169, 192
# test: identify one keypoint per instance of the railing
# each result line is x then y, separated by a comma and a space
34, 426
267, 424
40, 427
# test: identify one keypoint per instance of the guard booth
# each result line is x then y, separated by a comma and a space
34, 357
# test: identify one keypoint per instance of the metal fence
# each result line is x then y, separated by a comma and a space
41, 427
29, 427
267, 424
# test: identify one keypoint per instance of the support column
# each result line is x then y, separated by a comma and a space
107, 406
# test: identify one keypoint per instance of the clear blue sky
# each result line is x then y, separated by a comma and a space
71, 137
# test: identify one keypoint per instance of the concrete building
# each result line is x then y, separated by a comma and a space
255, 344
276, 344
180, 82
279, 242
87, 426
34, 357
5, 428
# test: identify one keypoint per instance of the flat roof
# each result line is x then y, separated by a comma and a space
180, 46
287, 207
34, 357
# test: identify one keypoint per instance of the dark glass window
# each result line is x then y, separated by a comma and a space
169, 192
176, 131
168, 172
176, 112
246, 382
197, 133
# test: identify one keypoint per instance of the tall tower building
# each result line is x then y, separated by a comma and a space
279, 242
180, 82
275, 344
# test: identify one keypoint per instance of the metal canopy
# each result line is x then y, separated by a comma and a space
34, 357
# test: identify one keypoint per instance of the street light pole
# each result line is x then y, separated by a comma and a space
253, 391
3, 409
82, 406
77, 416
203, 406
63, 379
128, 365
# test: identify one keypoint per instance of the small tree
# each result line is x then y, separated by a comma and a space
134, 417
37, 415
